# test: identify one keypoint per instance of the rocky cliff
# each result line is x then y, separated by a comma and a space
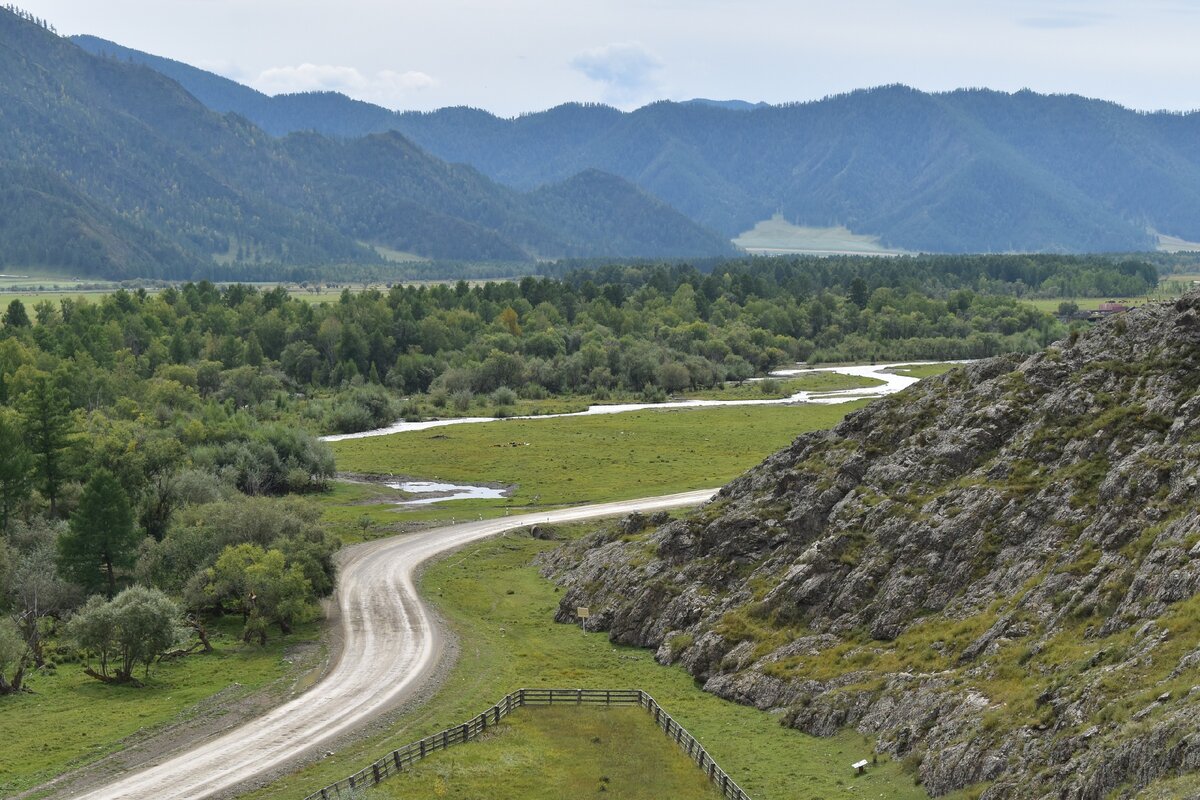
994, 573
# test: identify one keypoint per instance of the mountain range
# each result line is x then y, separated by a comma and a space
111, 168
969, 170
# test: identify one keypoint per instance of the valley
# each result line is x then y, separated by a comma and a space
360, 368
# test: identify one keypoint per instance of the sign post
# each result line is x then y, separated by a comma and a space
583, 612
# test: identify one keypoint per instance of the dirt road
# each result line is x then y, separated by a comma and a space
390, 647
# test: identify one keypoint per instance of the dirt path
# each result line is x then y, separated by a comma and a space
391, 646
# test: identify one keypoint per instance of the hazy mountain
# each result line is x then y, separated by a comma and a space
731, 105
113, 168
959, 171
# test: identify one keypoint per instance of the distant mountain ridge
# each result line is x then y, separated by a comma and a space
112, 168
970, 170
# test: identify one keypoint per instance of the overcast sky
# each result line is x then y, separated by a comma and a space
527, 55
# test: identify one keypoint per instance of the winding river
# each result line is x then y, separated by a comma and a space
892, 383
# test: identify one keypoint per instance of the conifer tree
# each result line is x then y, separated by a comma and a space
101, 537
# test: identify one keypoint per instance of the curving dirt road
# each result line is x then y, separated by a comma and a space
390, 646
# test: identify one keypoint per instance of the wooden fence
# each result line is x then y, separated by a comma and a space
397, 760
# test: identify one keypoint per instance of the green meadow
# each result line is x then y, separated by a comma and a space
501, 610
556, 462
68, 719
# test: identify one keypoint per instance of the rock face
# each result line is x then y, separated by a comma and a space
995, 573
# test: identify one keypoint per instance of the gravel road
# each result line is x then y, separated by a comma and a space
390, 648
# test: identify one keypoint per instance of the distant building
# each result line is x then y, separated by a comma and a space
1112, 307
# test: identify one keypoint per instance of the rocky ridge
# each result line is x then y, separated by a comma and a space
994, 573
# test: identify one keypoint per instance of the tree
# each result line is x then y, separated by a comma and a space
263, 587
48, 426
858, 292
135, 627
16, 316
101, 537
33, 590
15, 468
14, 657
508, 319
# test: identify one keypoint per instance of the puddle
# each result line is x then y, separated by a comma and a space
442, 492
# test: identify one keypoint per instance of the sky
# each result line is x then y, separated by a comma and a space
514, 56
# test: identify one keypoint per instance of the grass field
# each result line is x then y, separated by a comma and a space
501, 609
1169, 288
553, 753
786, 387
556, 462
923, 370
776, 235
69, 719
482, 406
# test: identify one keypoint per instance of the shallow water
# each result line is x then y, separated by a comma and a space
443, 492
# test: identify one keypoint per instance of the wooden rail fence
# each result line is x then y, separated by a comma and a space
397, 760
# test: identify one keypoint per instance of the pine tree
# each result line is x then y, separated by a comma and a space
16, 316
15, 468
101, 537
48, 426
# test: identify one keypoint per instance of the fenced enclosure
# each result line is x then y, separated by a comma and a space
401, 758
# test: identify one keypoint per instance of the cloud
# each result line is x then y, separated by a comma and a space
387, 87
629, 72
1064, 20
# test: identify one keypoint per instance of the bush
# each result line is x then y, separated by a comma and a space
504, 396
461, 400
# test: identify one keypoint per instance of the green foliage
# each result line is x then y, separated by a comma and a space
16, 316
200, 533
261, 586
48, 426
101, 538
132, 629
15, 468
14, 654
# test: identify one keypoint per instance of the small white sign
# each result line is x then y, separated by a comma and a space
583, 612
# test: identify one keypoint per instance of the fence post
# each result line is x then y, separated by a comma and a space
466, 729
396, 759
375, 772
496, 709
422, 748
352, 786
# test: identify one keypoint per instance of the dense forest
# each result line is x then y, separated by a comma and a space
963, 171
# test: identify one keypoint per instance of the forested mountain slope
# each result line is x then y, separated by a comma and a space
995, 574
971, 170
148, 181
